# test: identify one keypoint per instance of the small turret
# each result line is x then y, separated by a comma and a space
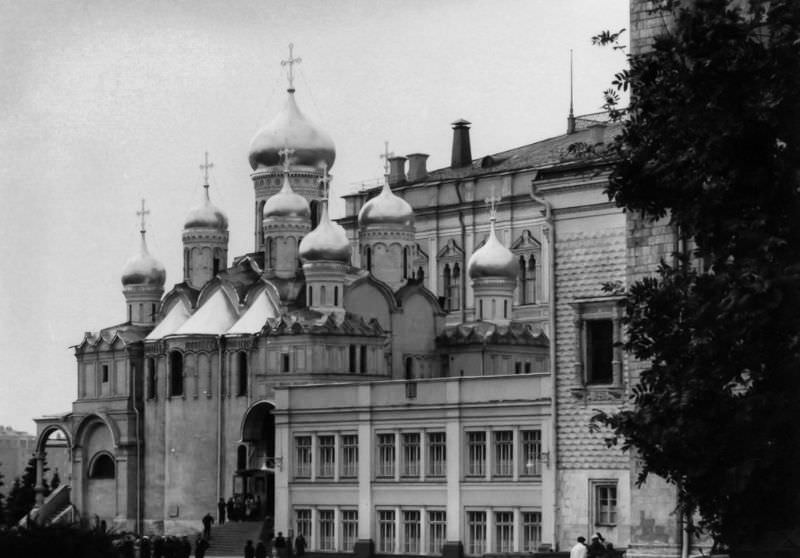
143, 280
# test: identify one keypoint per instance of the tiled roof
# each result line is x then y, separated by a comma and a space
488, 333
311, 322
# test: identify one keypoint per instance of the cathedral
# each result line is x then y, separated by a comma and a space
416, 378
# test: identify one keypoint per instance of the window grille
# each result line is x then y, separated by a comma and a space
476, 533
411, 532
531, 531
326, 448
303, 524
326, 530
437, 531
437, 454
385, 467
476, 450
531, 454
302, 464
504, 531
349, 456
503, 453
410, 455
386, 534
349, 529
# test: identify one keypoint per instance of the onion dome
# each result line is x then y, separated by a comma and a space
327, 242
143, 269
206, 216
493, 260
290, 126
386, 208
287, 203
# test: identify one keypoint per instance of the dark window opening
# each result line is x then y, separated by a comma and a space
151, 378
505, 309
352, 358
105, 373
241, 457
517, 367
102, 467
420, 274
405, 262
455, 283
216, 264
528, 367
130, 313
336, 296
362, 365
242, 383
310, 296
152, 312
480, 309
175, 373
599, 352
270, 254
368, 257
315, 211
409, 368
446, 288
285, 362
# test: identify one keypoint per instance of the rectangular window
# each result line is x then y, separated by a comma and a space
531, 531
411, 532
476, 533
476, 454
437, 454
504, 531
302, 462
349, 456
599, 352
352, 360
105, 373
531, 453
517, 367
410, 455
303, 524
385, 467
528, 367
605, 504
437, 531
503, 453
386, 531
349, 529
326, 450
362, 359
326, 530
284, 362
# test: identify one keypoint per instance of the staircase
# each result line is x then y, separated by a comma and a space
229, 539
56, 508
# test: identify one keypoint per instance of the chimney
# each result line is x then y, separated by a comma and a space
462, 153
598, 132
397, 170
416, 166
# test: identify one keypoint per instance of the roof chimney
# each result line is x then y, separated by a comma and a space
462, 153
397, 170
598, 132
416, 166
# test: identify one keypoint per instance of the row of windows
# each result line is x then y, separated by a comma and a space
525, 292
176, 379
495, 454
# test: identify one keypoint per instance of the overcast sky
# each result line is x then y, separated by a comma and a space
103, 103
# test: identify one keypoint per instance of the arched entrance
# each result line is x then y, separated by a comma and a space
53, 448
256, 461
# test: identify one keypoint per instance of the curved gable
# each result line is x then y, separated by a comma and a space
371, 299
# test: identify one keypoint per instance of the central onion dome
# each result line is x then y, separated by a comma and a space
493, 260
291, 127
287, 203
143, 269
386, 208
327, 242
206, 216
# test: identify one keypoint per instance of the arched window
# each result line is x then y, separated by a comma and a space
152, 386
101, 467
494, 308
216, 266
336, 296
521, 298
152, 312
420, 274
352, 359
455, 283
409, 368
323, 299
480, 309
241, 457
405, 262
310, 301
270, 254
362, 361
530, 280
242, 371
505, 309
447, 287
260, 222
368, 257
175, 373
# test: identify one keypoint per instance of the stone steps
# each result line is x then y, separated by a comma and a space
229, 539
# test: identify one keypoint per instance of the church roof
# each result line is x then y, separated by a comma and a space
488, 333
125, 332
253, 319
311, 322
175, 318
214, 317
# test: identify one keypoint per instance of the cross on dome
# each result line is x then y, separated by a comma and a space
291, 62
492, 202
143, 213
286, 153
204, 167
326, 180
386, 155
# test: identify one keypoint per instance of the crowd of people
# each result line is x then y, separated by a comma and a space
239, 508
598, 548
130, 546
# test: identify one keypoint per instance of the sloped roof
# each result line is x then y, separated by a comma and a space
175, 318
311, 322
125, 332
214, 317
253, 319
488, 333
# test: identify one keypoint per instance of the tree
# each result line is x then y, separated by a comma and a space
23, 492
2, 503
711, 140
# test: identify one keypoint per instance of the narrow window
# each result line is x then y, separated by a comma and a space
504, 531
216, 266
409, 368
503, 453
314, 206
349, 529
455, 294
480, 309
362, 359
505, 309
241, 457
385, 467
528, 367
437, 531
302, 464
405, 262
420, 274
411, 532
326, 453
605, 504
352, 359
323, 299
521, 281
310, 295
411, 453
494, 308
105, 373
447, 288
517, 367
270, 254
599, 352
368, 257
175, 373
303, 523
349, 456
152, 312
530, 280
130, 312
326, 530
531, 531
336, 296
530, 453
151, 378
476, 533
285, 362
386, 533
242, 383
476, 454
437, 454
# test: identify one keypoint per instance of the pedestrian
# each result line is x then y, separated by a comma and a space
144, 547
261, 550
207, 521
229, 509
200, 547
597, 549
300, 545
221, 511
186, 547
580, 550
158, 547
280, 545
249, 551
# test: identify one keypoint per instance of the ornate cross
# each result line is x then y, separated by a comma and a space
204, 167
492, 202
286, 153
143, 213
326, 180
386, 155
291, 62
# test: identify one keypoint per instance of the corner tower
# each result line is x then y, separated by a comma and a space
143, 282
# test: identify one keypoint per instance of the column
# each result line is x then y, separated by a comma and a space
314, 456
489, 530
423, 530
337, 457
517, 530
397, 460
489, 453
337, 522
397, 526
39, 487
315, 529
517, 453
423, 454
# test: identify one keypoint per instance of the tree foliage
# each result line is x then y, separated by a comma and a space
22, 496
711, 139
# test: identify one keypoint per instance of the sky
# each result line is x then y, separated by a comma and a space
103, 103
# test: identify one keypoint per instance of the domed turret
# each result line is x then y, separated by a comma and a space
143, 282
290, 126
287, 204
387, 208
206, 216
143, 269
493, 260
327, 242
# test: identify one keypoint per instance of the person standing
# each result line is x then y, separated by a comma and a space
200, 547
207, 521
221, 511
299, 545
597, 549
280, 545
261, 550
229, 509
580, 549
144, 547
249, 551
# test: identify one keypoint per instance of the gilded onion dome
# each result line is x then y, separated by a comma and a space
327, 242
206, 216
386, 208
290, 126
493, 260
287, 203
143, 269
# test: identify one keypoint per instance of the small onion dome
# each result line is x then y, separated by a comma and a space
287, 203
386, 208
143, 269
493, 260
311, 145
206, 216
327, 242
